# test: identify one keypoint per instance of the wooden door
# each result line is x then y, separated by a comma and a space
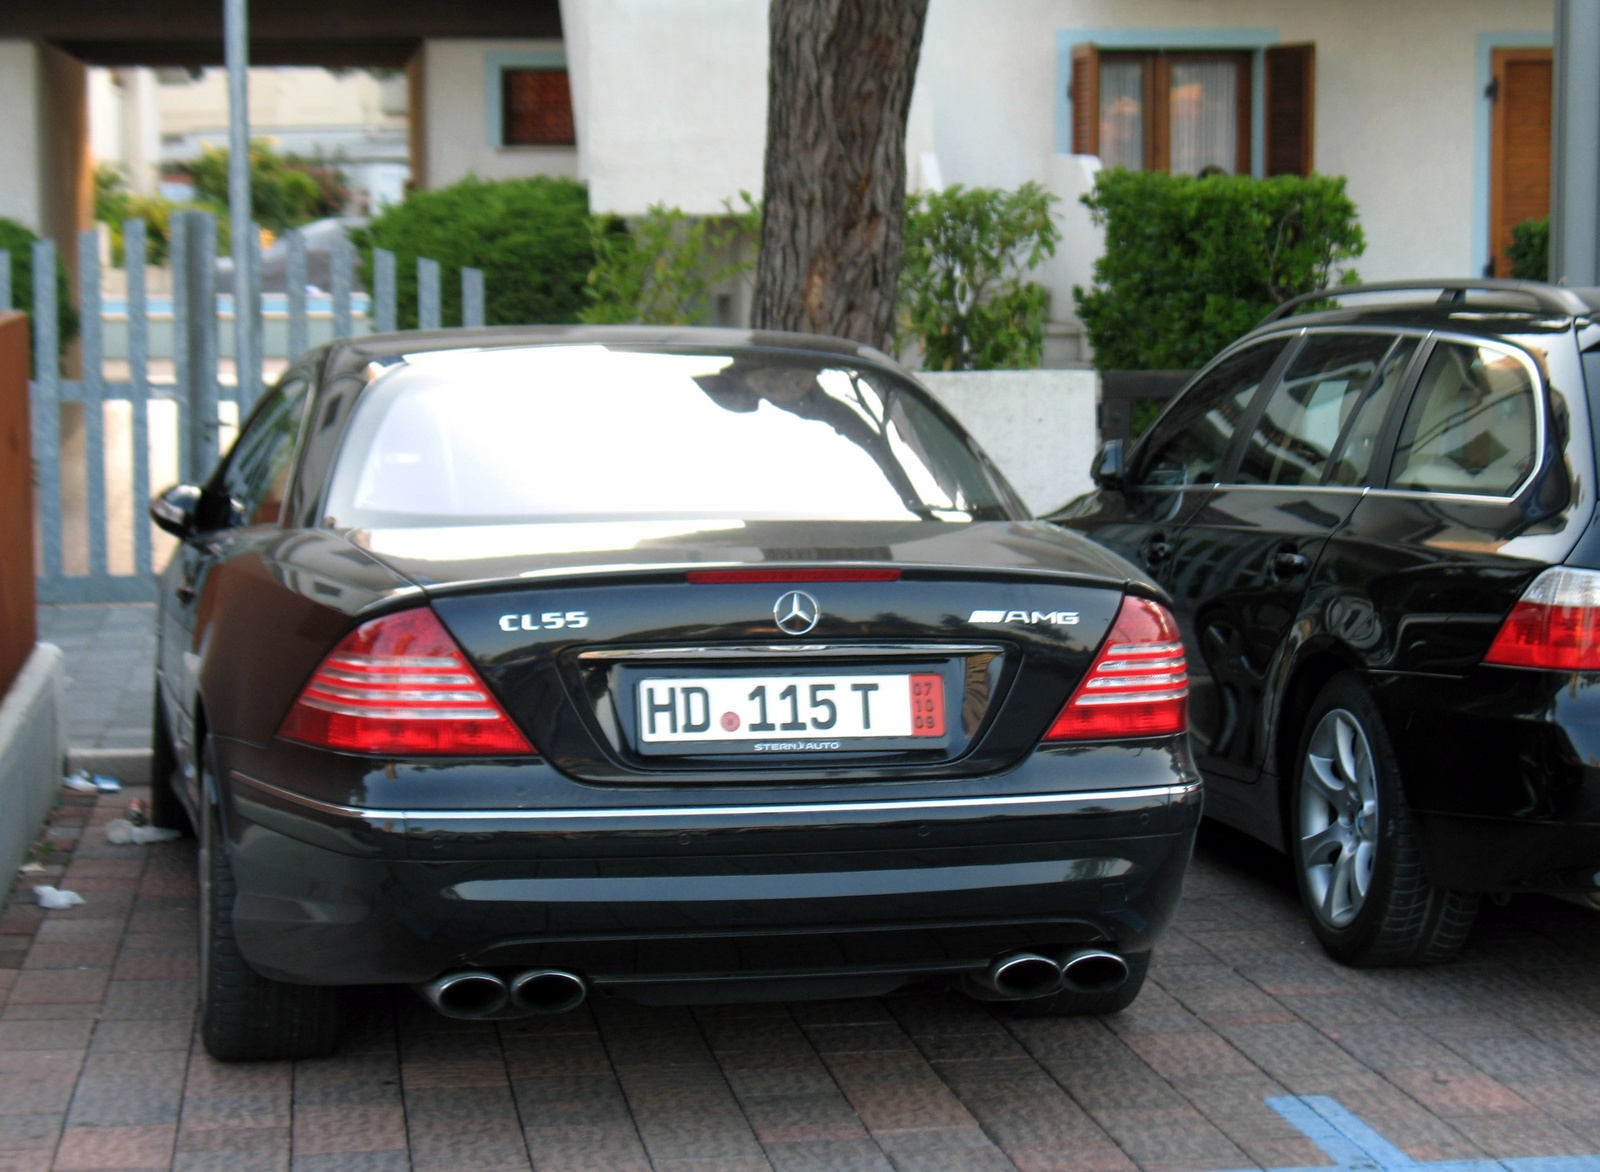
1519, 181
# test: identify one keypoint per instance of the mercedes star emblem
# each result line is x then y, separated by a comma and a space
796, 612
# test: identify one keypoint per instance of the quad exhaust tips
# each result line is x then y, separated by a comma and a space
1017, 976
475, 993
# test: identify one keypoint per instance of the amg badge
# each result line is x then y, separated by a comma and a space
1059, 618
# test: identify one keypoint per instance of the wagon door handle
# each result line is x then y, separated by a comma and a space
1157, 551
1286, 563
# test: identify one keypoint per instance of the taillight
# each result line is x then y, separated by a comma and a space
400, 685
1555, 624
1137, 685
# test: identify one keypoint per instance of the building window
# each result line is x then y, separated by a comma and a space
536, 108
1189, 112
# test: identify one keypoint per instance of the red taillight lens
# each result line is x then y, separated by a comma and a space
1555, 624
1136, 687
400, 685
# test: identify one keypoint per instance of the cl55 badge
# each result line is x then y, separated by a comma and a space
1060, 618
551, 620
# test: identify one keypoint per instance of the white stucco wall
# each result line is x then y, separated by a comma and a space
672, 103
672, 100
457, 128
19, 133
1400, 109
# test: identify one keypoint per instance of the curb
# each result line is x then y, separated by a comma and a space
129, 766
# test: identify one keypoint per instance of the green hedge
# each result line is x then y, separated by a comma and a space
20, 241
1191, 264
1530, 250
529, 236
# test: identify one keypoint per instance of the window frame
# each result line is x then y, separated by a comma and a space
1383, 448
495, 65
1138, 458
1157, 98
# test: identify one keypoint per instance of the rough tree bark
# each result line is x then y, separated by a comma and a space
834, 195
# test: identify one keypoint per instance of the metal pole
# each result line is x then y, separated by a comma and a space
1575, 146
236, 34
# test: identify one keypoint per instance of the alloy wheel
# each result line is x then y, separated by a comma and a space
1339, 822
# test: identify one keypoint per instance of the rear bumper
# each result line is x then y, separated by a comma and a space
1502, 767
798, 897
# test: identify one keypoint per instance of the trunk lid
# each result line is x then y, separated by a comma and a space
622, 661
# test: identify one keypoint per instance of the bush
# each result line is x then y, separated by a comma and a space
661, 269
1530, 250
963, 299
114, 204
1191, 264
285, 190
529, 236
20, 241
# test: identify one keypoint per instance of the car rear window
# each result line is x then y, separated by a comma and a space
595, 432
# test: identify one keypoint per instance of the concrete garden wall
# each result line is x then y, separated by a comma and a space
1037, 425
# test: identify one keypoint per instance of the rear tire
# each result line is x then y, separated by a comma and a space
1354, 844
1068, 1003
244, 1016
166, 808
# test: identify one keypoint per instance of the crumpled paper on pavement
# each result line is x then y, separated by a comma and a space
56, 899
121, 832
84, 782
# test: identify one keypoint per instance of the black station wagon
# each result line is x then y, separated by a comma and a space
1376, 523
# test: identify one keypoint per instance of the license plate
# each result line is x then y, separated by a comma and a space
818, 709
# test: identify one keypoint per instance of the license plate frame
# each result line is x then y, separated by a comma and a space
936, 695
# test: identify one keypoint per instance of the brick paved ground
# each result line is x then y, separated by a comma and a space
1496, 1055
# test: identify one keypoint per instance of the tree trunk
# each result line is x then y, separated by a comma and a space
834, 199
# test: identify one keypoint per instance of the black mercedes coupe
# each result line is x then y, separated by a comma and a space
680, 666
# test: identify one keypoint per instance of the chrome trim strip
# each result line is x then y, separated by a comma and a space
801, 650
1080, 798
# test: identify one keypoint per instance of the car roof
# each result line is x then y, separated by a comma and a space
351, 353
1488, 307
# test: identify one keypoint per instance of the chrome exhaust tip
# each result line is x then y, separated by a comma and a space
1020, 975
547, 991
471, 993
1093, 970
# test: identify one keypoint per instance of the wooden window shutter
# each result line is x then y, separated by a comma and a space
1085, 92
1291, 85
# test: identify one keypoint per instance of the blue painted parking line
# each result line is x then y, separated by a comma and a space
1355, 1147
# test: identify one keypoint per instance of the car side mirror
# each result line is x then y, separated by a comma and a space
174, 510
1110, 466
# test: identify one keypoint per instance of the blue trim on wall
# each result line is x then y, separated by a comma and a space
1177, 39
493, 65
1483, 132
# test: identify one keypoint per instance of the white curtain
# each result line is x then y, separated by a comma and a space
1205, 127
1122, 114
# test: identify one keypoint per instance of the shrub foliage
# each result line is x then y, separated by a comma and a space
1191, 264
662, 268
285, 190
20, 241
1530, 250
963, 296
529, 236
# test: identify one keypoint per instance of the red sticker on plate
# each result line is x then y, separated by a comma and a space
927, 705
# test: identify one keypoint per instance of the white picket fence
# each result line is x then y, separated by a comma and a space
102, 445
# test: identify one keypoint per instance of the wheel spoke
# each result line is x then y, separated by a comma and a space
1345, 738
1361, 871
1317, 849
1321, 779
1341, 889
